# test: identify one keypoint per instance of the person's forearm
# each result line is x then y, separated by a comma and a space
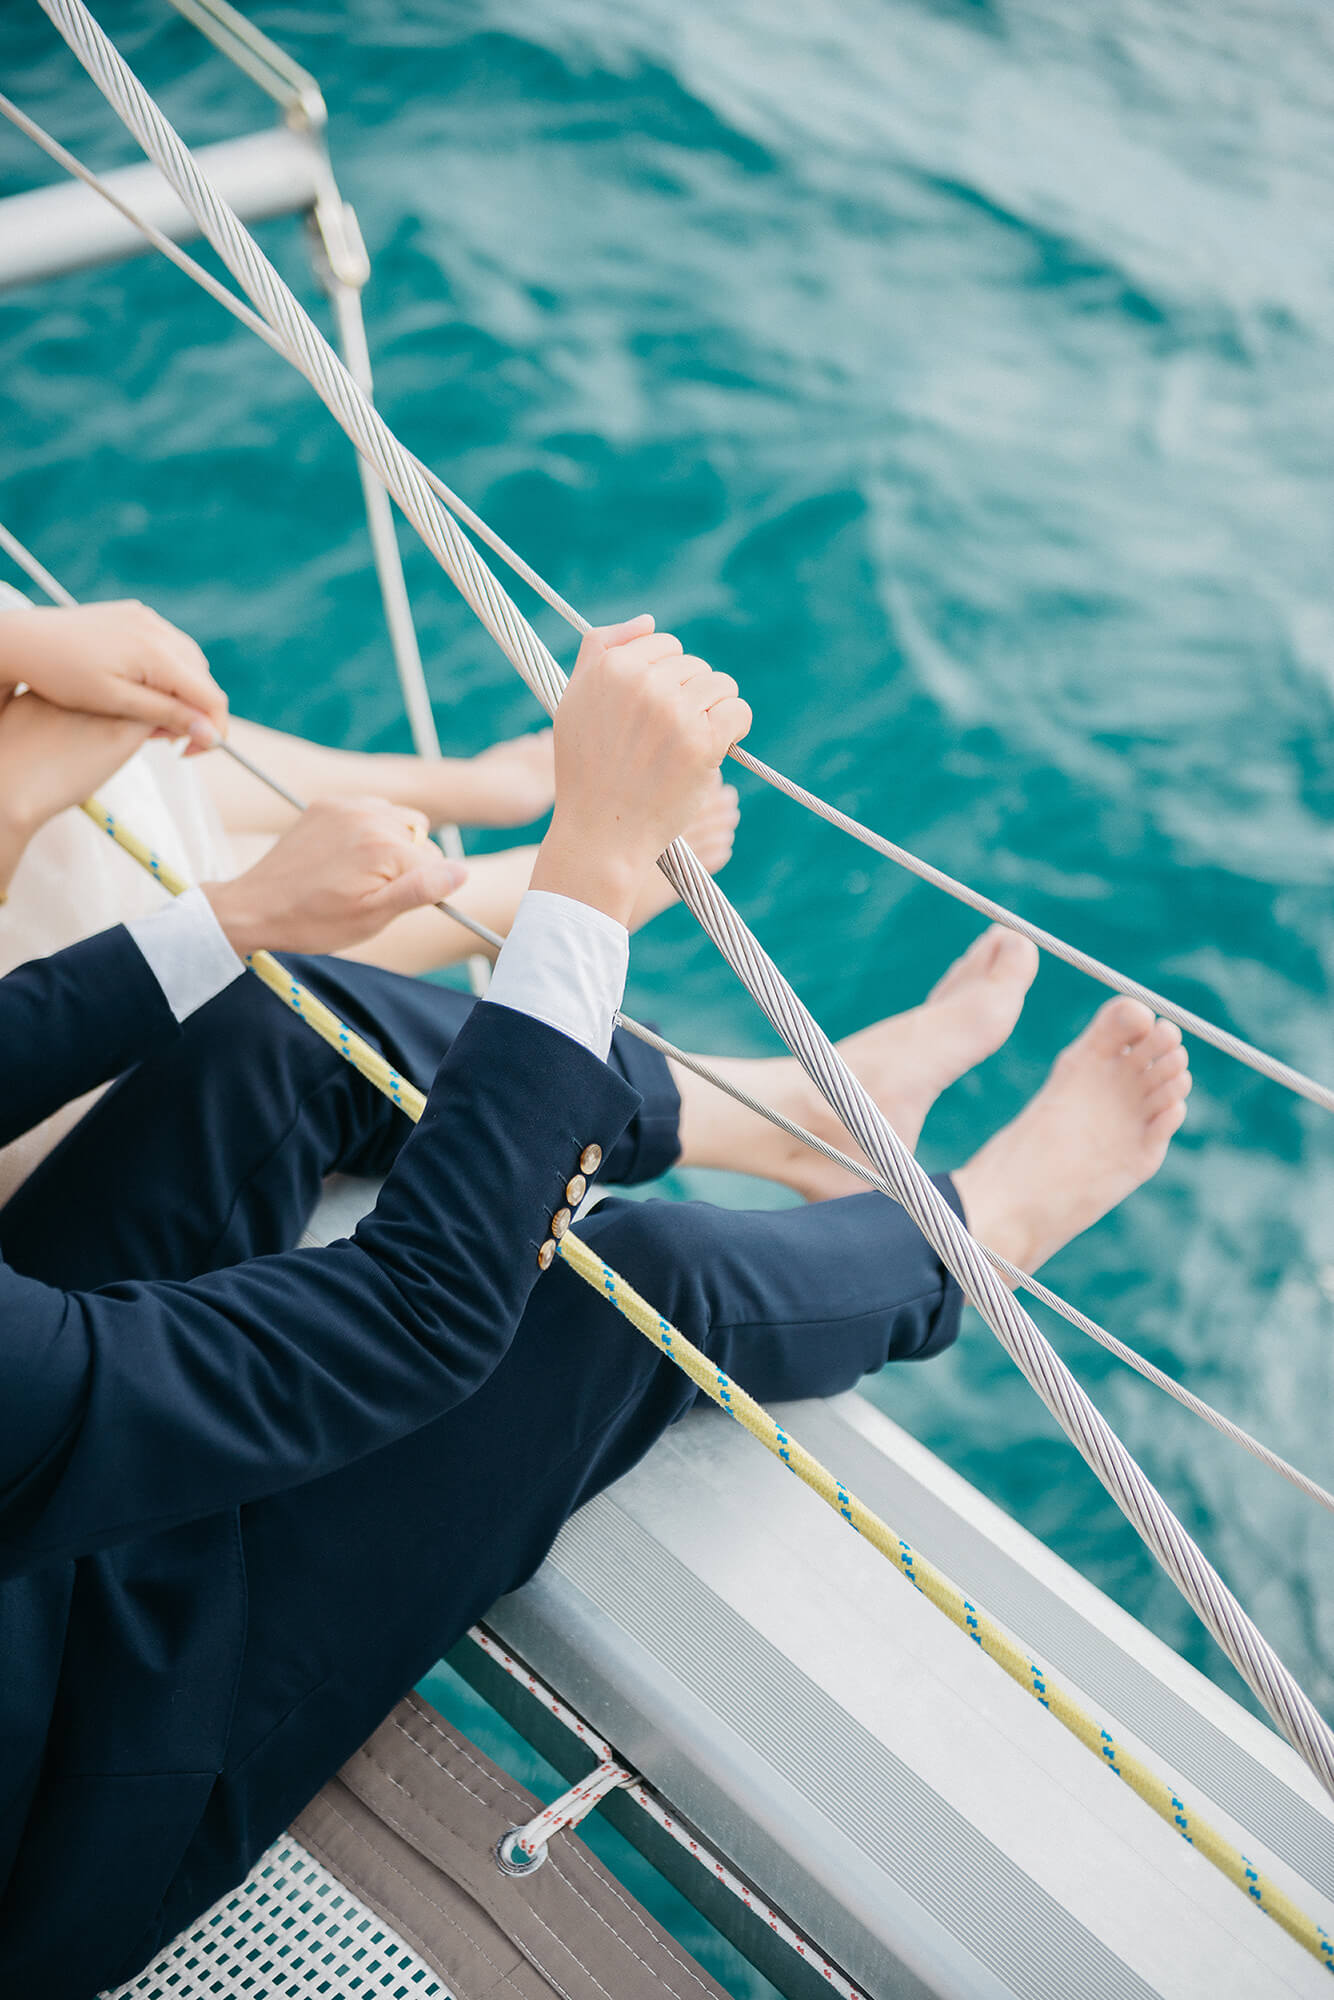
13, 626
589, 868
439, 787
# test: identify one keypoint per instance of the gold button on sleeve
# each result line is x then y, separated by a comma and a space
575, 1190
590, 1159
560, 1222
546, 1253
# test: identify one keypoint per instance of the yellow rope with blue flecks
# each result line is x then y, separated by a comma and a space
983, 1630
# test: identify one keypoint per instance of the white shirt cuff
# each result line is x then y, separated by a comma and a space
564, 963
187, 952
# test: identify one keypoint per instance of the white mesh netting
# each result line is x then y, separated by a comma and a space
291, 1931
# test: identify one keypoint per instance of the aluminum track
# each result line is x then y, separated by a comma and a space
875, 1775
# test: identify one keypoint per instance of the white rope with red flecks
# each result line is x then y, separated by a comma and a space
1255, 1659
1312, 1488
662, 1815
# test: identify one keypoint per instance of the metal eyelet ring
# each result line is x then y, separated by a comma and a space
509, 1859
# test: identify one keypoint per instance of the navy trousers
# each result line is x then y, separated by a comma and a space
358, 1582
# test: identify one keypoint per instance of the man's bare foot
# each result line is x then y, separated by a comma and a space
711, 834
905, 1062
908, 1060
1099, 1127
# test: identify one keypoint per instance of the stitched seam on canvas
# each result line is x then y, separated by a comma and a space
676, 1957
524, 1950
422, 1806
333, 1862
508, 1792
438, 1907
568, 1950
486, 1804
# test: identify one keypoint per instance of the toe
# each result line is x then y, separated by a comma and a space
1165, 1123
1173, 1090
1118, 1025
1012, 957
970, 964
1174, 1063
1162, 1038
997, 953
983, 952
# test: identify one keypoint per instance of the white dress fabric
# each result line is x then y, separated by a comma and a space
73, 881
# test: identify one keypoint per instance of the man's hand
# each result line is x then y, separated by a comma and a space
341, 874
640, 732
51, 759
115, 660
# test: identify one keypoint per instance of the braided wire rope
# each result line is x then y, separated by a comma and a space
1191, 1023
667, 1818
1274, 1686
986, 1632
1080, 1320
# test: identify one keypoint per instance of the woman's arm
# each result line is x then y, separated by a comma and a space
113, 660
99, 679
507, 785
50, 759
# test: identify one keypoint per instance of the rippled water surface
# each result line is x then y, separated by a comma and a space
960, 378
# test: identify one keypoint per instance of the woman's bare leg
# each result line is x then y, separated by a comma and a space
509, 784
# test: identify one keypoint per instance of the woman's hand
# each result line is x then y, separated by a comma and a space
345, 870
640, 732
114, 660
51, 758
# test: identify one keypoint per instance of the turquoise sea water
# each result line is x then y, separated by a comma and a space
957, 376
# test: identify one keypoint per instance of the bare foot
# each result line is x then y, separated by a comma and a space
509, 783
710, 834
908, 1060
905, 1062
1099, 1127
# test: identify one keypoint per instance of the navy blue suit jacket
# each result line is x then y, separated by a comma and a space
135, 1421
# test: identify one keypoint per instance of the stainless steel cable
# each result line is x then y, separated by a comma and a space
1273, 1684
1171, 1010
30, 566
1189, 1022
709, 1074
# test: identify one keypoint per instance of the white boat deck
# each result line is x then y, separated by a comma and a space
876, 1776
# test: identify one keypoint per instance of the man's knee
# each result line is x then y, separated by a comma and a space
243, 1010
247, 1031
664, 1249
